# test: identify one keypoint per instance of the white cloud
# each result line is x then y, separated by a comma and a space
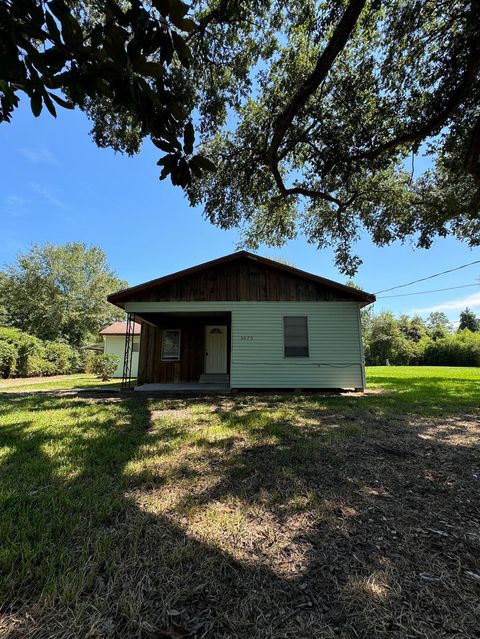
51, 195
459, 304
38, 156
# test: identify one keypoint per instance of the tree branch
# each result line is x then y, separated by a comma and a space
337, 43
472, 155
438, 119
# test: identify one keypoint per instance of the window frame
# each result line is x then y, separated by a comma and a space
172, 359
285, 356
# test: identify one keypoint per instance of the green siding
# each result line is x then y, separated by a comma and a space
257, 360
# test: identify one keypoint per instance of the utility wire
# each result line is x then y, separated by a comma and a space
435, 290
422, 279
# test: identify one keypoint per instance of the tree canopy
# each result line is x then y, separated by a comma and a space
410, 341
314, 113
59, 292
469, 320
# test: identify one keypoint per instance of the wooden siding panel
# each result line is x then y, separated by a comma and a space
192, 349
241, 281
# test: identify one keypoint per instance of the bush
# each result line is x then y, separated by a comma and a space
29, 352
22, 355
461, 349
59, 357
104, 366
88, 361
408, 341
8, 359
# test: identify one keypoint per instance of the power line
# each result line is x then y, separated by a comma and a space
435, 290
422, 279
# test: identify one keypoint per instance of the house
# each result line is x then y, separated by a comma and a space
248, 322
114, 344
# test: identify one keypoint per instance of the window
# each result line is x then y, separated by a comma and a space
295, 333
171, 344
135, 347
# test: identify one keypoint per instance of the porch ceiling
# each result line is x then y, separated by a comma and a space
157, 319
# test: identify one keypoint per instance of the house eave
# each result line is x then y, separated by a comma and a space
119, 298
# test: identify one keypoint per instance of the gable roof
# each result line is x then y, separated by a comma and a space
120, 328
120, 297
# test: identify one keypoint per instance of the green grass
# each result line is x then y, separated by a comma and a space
425, 389
65, 383
250, 516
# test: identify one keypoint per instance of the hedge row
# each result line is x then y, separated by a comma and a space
458, 349
22, 355
461, 349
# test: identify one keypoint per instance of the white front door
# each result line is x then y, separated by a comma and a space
215, 349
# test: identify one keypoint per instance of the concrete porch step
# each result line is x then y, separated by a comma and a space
214, 378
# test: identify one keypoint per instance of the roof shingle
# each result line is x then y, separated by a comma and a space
120, 328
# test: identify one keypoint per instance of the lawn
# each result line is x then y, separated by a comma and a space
59, 382
245, 516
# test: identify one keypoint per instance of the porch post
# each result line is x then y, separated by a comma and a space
127, 356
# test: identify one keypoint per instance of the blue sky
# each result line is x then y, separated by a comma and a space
57, 186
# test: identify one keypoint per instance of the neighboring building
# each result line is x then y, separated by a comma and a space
114, 344
250, 322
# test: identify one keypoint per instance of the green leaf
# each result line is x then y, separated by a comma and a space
53, 29
71, 29
114, 44
168, 162
163, 145
49, 104
188, 138
66, 104
182, 49
176, 110
186, 24
150, 69
203, 163
163, 6
59, 9
36, 103
178, 9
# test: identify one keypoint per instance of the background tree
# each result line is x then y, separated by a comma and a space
385, 341
411, 341
413, 328
59, 292
439, 325
469, 320
313, 113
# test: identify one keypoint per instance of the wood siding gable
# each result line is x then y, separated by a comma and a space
242, 280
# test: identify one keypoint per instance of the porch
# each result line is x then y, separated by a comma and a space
193, 388
184, 351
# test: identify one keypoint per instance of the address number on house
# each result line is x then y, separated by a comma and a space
246, 338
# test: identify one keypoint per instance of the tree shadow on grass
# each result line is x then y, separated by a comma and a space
325, 525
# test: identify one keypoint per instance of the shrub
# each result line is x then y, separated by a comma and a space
29, 352
461, 349
8, 358
77, 362
104, 366
30, 356
60, 358
88, 361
